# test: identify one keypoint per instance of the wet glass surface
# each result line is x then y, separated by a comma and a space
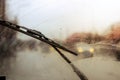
69, 23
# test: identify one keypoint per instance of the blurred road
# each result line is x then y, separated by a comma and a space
99, 68
32, 65
35, 65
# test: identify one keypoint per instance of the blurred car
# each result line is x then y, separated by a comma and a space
85, 50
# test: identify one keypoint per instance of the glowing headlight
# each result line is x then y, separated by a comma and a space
80, 49
92, 50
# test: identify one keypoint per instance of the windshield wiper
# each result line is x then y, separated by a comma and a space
35, 34
38, 35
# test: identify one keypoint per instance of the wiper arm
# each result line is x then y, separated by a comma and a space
79, 73
38, 35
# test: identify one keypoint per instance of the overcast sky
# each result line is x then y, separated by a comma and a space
59, 18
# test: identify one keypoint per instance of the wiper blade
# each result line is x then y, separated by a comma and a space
35, 34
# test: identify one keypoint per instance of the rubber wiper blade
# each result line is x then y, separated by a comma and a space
35, 34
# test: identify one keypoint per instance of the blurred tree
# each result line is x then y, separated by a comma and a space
114, 34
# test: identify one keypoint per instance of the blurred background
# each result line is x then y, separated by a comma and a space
68, 22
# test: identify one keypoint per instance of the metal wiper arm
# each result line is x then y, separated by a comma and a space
35, 34
38, 35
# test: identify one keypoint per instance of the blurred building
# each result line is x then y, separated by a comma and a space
2, 9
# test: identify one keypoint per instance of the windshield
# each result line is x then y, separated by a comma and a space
89, 28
